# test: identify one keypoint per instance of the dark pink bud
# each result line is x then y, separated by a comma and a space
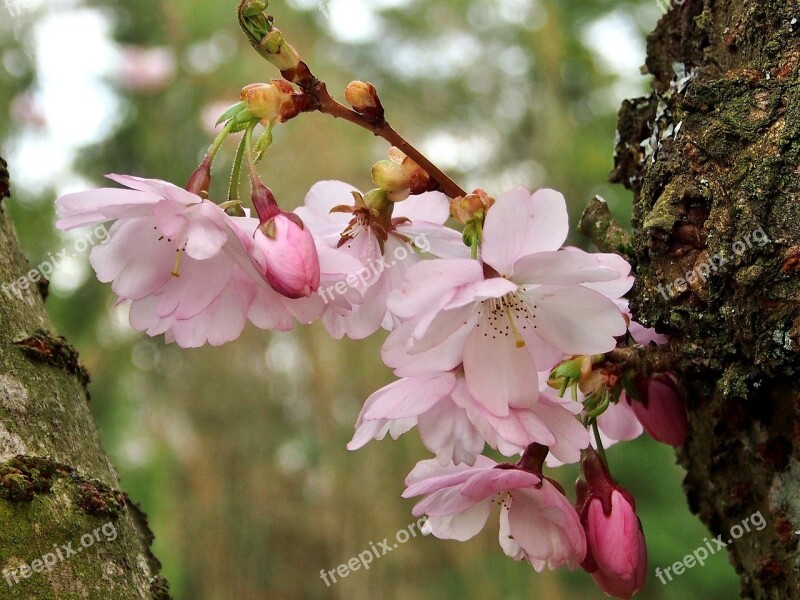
616, 553
661, 410
200, 181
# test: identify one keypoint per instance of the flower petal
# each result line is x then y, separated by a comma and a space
575, 319
519, 224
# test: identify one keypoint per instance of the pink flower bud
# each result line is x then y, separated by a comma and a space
616, 553
200, 181
661, 410
285, 251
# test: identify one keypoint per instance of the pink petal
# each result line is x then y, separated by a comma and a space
520, 224
222, 322
447, 431
547, 528
96, 206
430, 476
445, 357
409, 397
561, 268
498, 373
575, 319
325, 195
438, 240
462, 526
163, 189
138, 273
619, 422
433, 207
428, 284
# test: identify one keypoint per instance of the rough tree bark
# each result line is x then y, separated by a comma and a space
56, 482
727, 73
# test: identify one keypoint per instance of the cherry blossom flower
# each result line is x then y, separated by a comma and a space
455, 426
519, 312
537, 522
382, 250
189, 270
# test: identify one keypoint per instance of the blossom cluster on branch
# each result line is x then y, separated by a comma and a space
500, 337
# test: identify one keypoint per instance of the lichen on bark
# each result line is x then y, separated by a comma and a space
712, 158
56, 482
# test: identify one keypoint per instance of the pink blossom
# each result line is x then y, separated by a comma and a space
384, 254
616, 551
518, 313
288, 256
537, 522
455, 426
187, 269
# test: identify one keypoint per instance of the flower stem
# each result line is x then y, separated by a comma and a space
600, 449
236, 173
220, 139
248, 150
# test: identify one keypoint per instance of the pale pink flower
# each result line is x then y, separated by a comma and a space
616, 550
455, 426
520, 311
187, 268
537, 522
385, 254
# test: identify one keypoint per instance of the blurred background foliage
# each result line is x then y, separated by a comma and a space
238, 453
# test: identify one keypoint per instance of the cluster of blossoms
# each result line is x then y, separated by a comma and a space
490, 325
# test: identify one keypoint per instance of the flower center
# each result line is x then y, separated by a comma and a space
508, 316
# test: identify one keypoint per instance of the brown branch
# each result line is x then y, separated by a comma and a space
599, 226
644, 359
327, 105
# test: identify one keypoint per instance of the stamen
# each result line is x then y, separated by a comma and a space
176, 270
517, 336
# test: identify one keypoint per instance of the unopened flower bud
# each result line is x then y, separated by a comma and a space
471, 206
271, 102
400, 176
616, 553
287, 255
200, 181
661, 410
277, 51
363, 97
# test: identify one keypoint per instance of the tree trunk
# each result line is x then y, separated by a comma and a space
713, 159
68, 532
